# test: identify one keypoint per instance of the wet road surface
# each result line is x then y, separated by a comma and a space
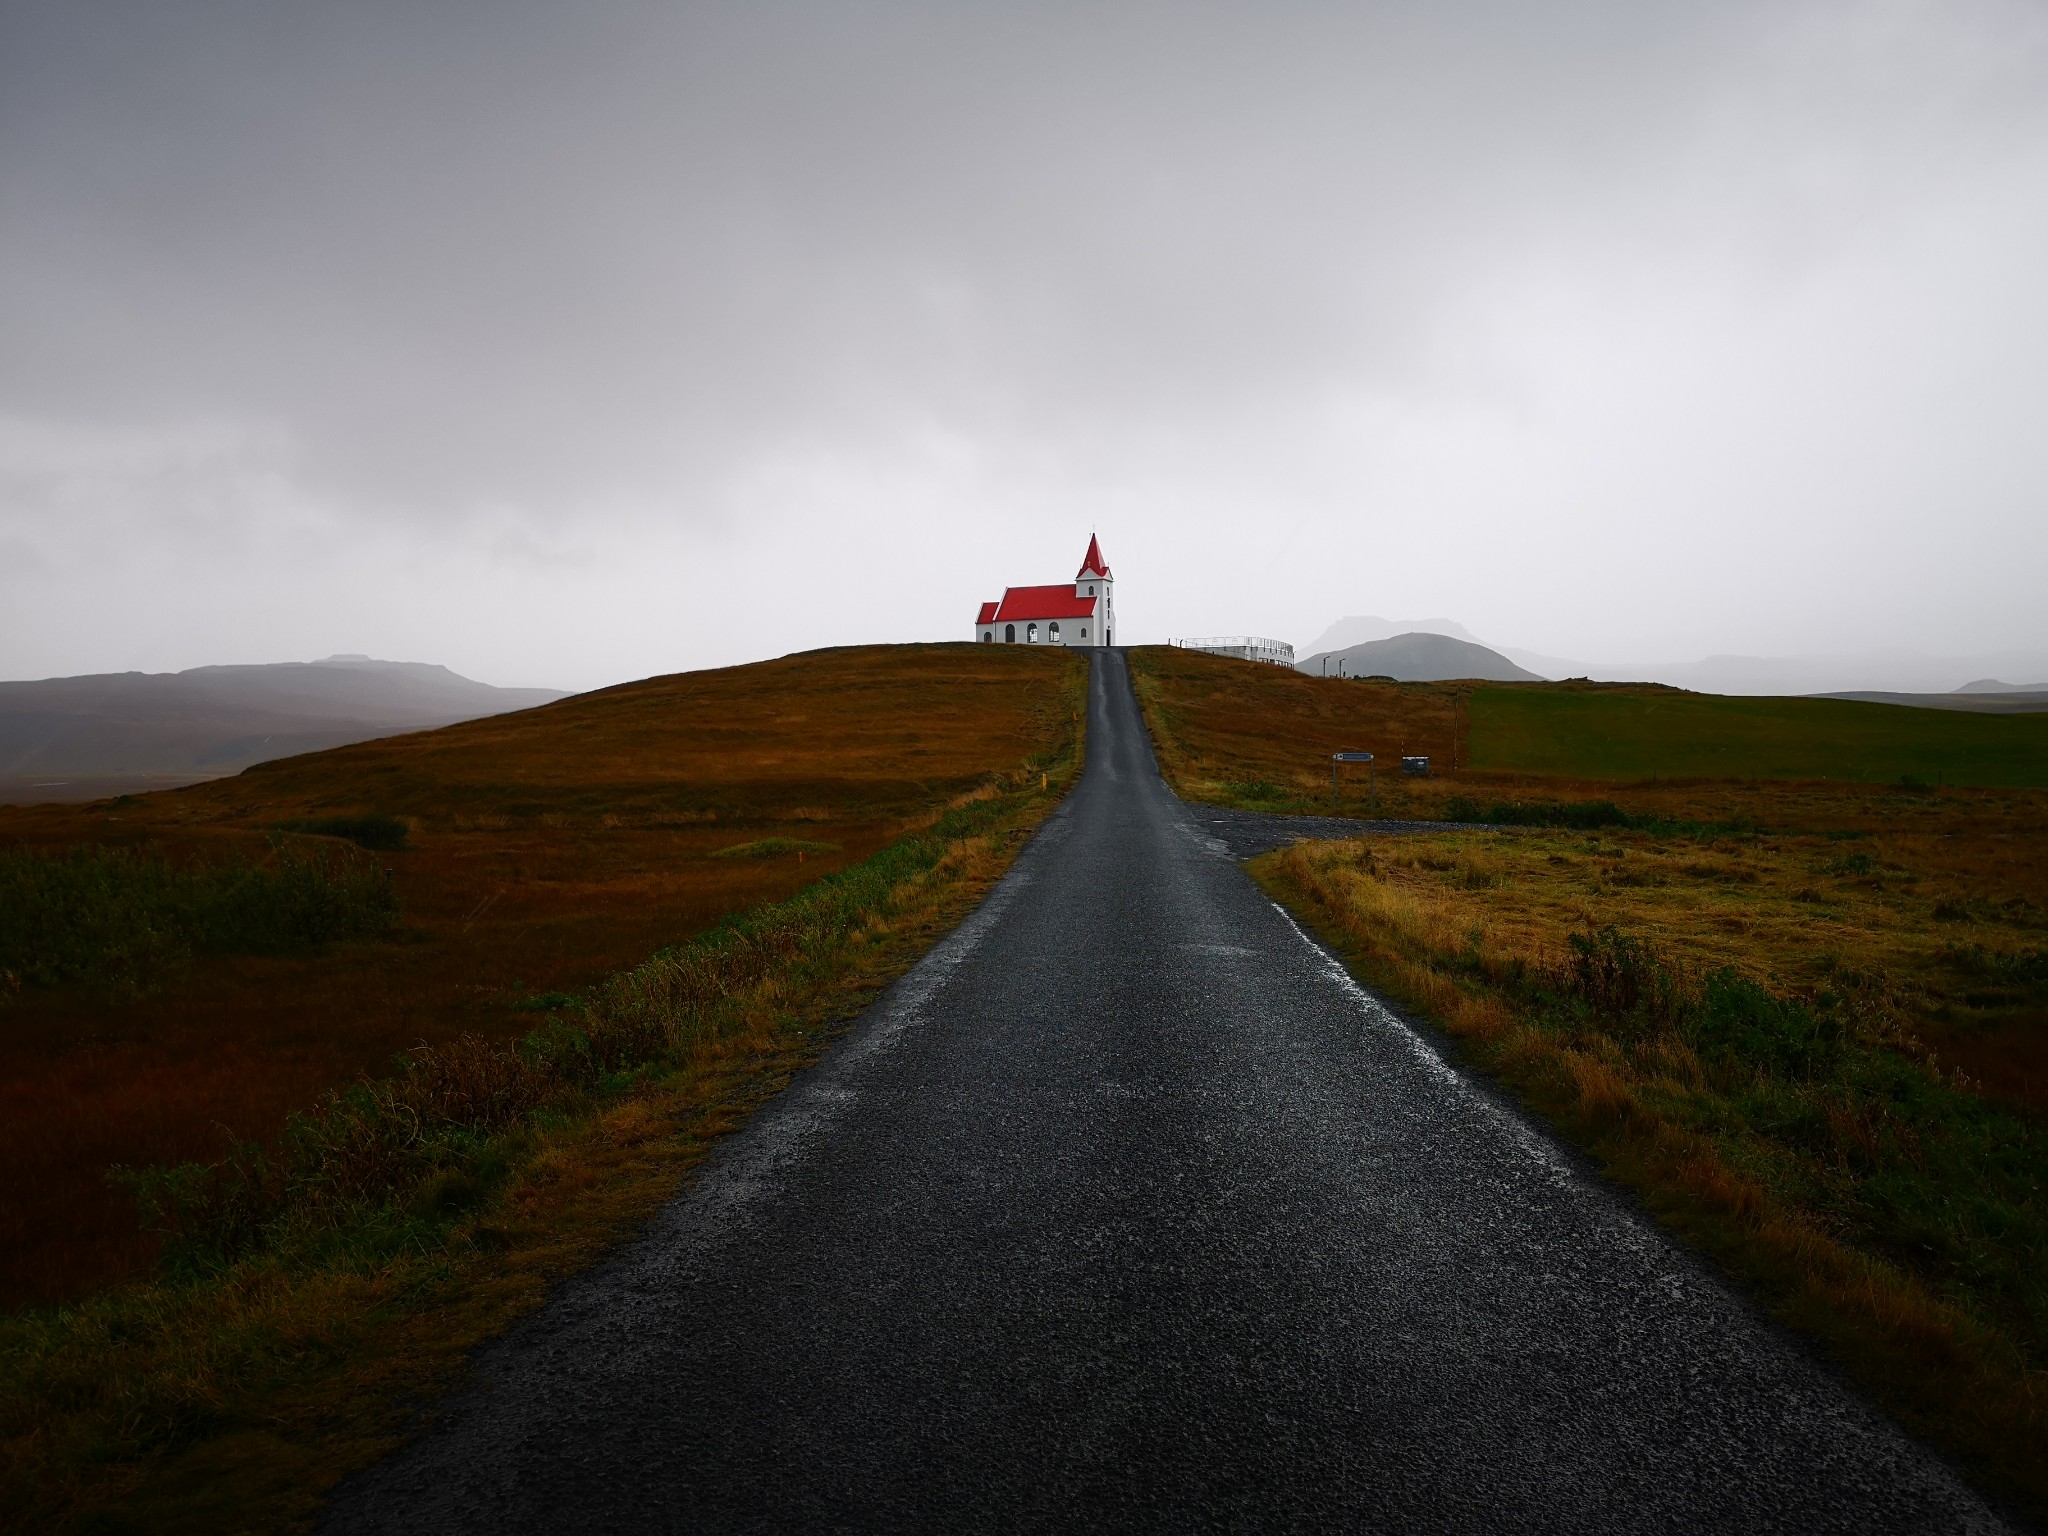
1127, 1209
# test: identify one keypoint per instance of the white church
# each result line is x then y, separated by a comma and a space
1077, 613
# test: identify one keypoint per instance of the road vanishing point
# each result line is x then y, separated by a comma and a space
1128, 1209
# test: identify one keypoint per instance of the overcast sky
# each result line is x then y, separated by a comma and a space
569, 343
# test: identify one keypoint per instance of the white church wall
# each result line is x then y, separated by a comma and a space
1073, 632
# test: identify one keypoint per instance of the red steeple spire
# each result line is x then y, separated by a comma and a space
1093, 565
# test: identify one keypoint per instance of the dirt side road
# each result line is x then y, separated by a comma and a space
1128, 1209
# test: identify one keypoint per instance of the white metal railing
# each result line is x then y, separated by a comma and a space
1244, 647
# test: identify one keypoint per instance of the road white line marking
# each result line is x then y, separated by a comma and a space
1425, 1055
1632, 1235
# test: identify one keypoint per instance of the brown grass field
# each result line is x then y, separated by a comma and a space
547, 850
1882, 1192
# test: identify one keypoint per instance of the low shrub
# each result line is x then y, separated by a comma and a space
1256, 789
1621, 978
2022, 968
1626, 984
1581, 815
1740, 1022
121, 921
1585, 816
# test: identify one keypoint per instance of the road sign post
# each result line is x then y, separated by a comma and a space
1372, 784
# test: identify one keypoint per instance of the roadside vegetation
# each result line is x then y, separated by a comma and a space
1771, 1039
1805, 1020
318, 1270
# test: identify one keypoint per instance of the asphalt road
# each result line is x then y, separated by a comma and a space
1128, 1209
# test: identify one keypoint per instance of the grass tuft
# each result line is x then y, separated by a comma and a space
773, 847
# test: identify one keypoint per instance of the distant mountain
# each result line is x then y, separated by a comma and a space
1993, 685
163, 727
1417, 658
1361, 628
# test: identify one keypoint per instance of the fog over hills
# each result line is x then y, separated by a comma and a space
1898, 674
79, 737
2010, 699
1873, 672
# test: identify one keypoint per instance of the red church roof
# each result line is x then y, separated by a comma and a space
1093, 564
1039, 603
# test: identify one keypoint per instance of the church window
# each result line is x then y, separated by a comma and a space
1009, 634
987, 636
1031, 634
1052, 630
1084, 631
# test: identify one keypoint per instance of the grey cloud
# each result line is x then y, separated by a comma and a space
510, 272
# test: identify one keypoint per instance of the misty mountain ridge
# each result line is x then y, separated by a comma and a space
205, 722
1418, 657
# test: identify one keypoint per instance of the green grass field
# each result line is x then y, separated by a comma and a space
1615, 734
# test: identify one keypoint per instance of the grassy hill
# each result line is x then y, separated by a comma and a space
1635, 733
541, 851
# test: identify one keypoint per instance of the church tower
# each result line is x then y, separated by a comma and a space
1094, 580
